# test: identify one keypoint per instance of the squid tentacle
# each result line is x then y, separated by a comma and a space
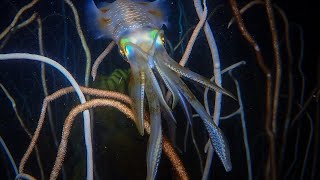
174, 91
153, 79
171, 85
155, 140
160, 95
184, 72
137, 92
217, 138
156, 61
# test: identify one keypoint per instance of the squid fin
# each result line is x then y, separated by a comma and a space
97, 19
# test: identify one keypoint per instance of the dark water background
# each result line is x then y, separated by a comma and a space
119, 150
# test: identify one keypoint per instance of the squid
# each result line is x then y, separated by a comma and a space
135, 26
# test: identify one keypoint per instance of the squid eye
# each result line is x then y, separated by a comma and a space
123, 43
121, 52
160, 39
163, 40
123, 55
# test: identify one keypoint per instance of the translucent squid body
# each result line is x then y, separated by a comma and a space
136, 28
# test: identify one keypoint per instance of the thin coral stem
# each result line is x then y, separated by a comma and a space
36, 134
194, 35
305, 160
44, 82
116, 97
175, 160
68, 124
24, 127
26, 22
245, 8
268, 86
57, 94
314, 94
83, 41
86, 114
217, 76
25, 176
277, 84
249, 38
16, 18
316, 139
290, 86
277, 62
98, 61
7, 151
16, 28
167, 146
244, 128
295, 155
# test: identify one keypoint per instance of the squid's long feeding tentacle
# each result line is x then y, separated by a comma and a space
216, 136
155, 139
184, 72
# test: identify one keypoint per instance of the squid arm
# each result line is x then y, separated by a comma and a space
174, 91
137, 91
184, 72
153, 79
155, 140
216, 136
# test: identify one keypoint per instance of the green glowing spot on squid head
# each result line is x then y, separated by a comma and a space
144, 40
